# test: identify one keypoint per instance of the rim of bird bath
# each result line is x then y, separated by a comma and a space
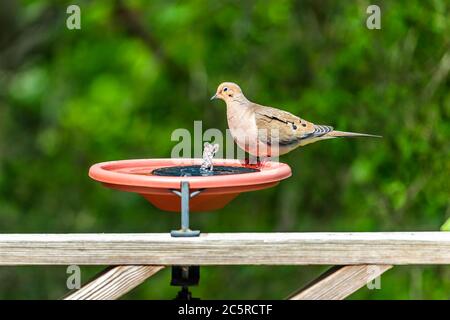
187, 193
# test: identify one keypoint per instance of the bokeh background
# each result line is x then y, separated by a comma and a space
137, 70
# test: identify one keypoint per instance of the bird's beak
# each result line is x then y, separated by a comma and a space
214, 97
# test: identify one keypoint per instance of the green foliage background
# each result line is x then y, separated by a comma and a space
137, 70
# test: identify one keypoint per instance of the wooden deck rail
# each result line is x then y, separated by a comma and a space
226, 249
139, 256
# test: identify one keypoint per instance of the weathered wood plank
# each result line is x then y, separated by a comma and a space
226, 249
113, 283
340, 282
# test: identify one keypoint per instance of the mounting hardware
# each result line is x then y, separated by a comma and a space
185, 195
185, 276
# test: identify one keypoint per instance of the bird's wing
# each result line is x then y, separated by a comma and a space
289, 127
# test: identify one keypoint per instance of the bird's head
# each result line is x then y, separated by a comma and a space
228, 91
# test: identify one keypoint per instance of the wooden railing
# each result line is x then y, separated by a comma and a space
359, 257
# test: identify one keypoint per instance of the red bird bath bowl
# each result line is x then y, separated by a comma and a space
179, 185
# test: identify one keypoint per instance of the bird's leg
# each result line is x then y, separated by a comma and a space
253, 162
258, 162
261, 161
247, 161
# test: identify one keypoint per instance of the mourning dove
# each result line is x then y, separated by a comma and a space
265, 131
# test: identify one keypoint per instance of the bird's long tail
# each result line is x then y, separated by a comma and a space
326, 132
336, 134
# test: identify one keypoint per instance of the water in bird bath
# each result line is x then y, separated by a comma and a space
197, 171
205, 169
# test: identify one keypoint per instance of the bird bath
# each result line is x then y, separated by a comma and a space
181, 185
188, 185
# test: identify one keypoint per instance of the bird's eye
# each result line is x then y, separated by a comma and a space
225, 89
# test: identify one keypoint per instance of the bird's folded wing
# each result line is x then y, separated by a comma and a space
286, 128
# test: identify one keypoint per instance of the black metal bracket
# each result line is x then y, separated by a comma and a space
185, 276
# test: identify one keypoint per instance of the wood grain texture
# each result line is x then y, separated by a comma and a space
340, 282
113, 283
226, 249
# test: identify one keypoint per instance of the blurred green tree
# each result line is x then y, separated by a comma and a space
137, 70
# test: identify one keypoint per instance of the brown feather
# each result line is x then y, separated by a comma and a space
290, 128
336, 134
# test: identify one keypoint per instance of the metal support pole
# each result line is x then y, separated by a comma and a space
185, 205
185, 197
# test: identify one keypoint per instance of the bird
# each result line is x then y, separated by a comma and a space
266, 132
